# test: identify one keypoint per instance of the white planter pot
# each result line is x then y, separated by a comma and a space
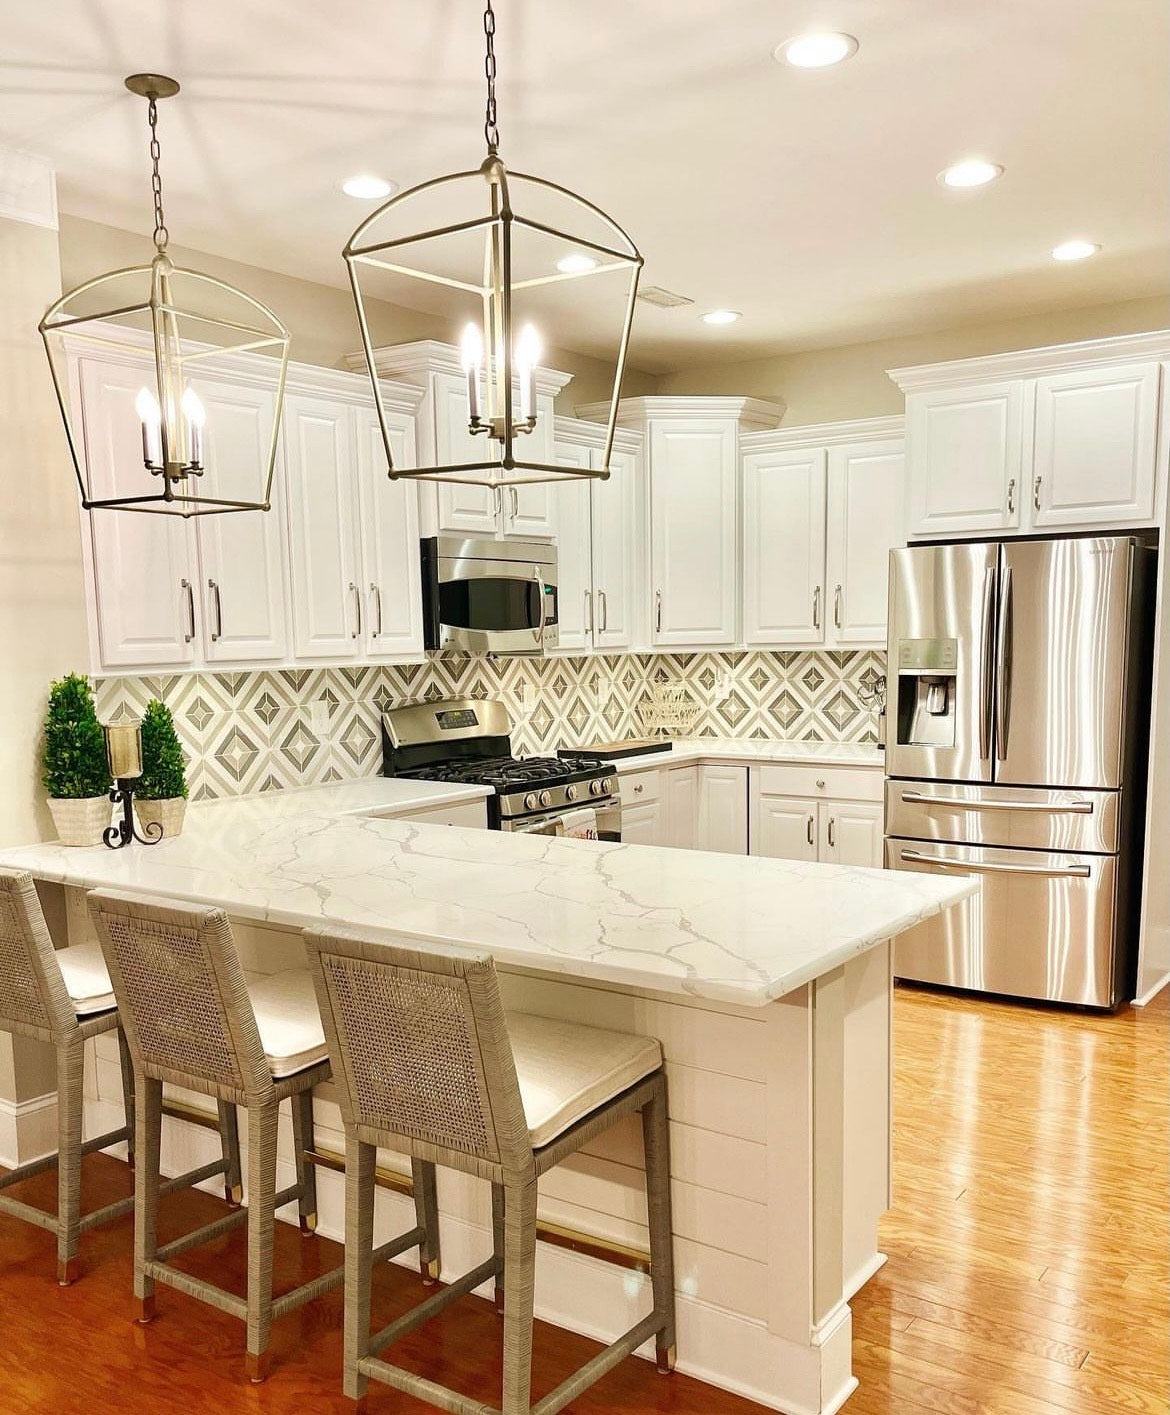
169, 814
80, 821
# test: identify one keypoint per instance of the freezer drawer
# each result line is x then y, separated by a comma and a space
1041, 927
1008, 816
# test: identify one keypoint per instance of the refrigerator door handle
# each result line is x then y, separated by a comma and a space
973, 867
1066, 808
985, 664
1003, 664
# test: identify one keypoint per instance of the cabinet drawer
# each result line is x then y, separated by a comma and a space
641, 787
835, 783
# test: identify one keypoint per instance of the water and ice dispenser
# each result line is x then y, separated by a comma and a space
927, 676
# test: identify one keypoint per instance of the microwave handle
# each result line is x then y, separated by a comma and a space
539, 630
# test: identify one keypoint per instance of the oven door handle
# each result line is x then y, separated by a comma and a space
543, 617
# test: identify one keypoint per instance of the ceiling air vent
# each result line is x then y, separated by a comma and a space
664, 299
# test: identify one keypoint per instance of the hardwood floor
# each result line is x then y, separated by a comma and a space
1029, 1265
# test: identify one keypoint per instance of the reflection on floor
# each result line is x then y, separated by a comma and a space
1029, 1260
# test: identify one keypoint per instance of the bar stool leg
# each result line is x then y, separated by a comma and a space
656, 1137
127, 1064
426, 1215
519, 1282
229, 1140
262, 1121
359, 1247
147, 1178
498, 1242
302, 1122
70, 1103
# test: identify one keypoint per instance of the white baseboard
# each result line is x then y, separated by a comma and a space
28, 1129
1152, 992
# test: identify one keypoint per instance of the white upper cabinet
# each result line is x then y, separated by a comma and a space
1096, 446
241, 556
615, 520
528, 511
693, 568
866, 520
784, 546
575, 599
964, 449
471, 509
388, 533
144, 601
1048, 440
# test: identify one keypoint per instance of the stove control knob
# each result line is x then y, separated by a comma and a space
606, 786
530, 802
595, 788
546, 798
570, 793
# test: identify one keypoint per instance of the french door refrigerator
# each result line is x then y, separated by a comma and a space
1016, 751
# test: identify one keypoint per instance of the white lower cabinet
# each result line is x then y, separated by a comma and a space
642, 824
687, 807
851, 833
785, 828
681, 796
722, 823
802, 814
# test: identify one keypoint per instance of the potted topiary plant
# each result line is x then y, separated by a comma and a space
75, 772
161, 792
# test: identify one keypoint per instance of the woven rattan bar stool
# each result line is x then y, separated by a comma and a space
427, 1063
191, 1020
63, 997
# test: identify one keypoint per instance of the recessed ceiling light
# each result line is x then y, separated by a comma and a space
576, 263
1075, 250
367, 188
974, 172
815, 51
720, 316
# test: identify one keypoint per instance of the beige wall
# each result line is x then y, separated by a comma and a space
320, 318
826, 385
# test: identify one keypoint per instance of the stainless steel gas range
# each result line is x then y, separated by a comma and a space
468, 740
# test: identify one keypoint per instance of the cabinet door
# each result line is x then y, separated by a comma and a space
391, 581
681, 800
144, 593
851, 833
241, 556
1095, 460
642, 824
693, 539
470, 509
723, 809
615, 519
529, 511
324, 573
964, 451
866, 520
785, 827
784, 547
576, 605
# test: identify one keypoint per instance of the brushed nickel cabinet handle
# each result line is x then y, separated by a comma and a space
498, 501
603, 603
357, 600
589, 611
658, 611
515, 502
1036, 492
1012, 497
832, 832
837, 606
217, 632
187, 587
811, 828
376, 595
817, 607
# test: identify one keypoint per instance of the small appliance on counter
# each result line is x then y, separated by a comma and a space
468, 740
489, 596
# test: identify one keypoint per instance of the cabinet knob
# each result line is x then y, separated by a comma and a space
820, 783
638, 789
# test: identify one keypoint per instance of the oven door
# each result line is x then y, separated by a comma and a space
492, 596
609, 822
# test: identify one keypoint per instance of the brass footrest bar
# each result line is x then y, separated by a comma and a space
620, 1254
179, 1110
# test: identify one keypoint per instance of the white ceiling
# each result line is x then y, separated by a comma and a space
806, 199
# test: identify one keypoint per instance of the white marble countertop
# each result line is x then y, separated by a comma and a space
686, 751
735, 928
367, 796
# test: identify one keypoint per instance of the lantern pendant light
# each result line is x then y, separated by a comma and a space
183, 317
493, 269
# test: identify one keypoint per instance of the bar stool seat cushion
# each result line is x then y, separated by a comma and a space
288, 1021
566, 1071
87, 980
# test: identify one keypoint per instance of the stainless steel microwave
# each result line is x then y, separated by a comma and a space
489, 596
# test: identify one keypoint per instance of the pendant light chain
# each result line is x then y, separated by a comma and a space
490, 131
161, 234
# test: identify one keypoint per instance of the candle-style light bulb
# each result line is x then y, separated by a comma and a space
471, 349
528, 352
195, 416
150, 416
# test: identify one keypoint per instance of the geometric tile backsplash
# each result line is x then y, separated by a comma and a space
253, 731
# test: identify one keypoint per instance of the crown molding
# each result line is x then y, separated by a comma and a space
1029, 363
826, 434
586, 432
752, 414
425, 356
28, 189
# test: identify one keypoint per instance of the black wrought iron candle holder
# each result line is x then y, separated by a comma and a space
124, 831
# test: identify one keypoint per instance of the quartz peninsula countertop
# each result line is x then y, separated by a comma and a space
734, 928
746, 751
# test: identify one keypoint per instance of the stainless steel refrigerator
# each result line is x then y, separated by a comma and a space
1017, 738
